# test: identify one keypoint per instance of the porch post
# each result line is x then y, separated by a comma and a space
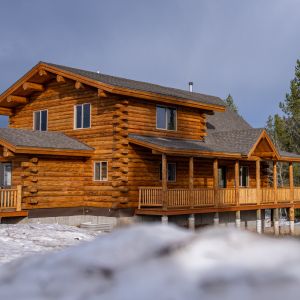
216, 183
237, 181
258, 221
275, 180
191, 181
276, 221
292, 220
164, 181
291, 178
258, 183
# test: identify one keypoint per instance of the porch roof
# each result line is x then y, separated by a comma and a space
43, 142
236, 143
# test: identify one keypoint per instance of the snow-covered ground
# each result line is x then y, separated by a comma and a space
160, 262
24, 239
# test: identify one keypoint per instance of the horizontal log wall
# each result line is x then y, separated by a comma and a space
142, 120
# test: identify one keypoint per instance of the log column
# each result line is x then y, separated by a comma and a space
275, 181
258, 221
191, 181
237, 196
276, 221
291, 179
258, 183
164, 181
216, 185
191, 222
292, 220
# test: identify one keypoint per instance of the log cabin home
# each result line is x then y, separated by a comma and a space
84, 143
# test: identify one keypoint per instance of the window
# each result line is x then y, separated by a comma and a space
40, 120
222, 174
171, 172
165, 118
7, 174
101, 171
82, 116
244, 176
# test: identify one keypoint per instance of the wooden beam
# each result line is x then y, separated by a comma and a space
60, 79
33, 86
102, 93
164, 170
6, 111
42, 72
17, 99
237, 180
7, 152
78, 85
191, 180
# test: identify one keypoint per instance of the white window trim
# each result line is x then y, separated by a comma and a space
166, 125
169, 163
75, 116
40, 110
248, 178
94, 176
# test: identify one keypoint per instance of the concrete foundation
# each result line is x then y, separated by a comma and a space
164, 220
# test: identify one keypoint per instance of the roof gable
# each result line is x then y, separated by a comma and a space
42, 72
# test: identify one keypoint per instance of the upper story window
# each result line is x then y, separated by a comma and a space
82, 118
244, 176
101, 171
166, 118
40, 120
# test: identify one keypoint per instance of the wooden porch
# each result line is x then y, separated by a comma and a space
162, 199
11, 202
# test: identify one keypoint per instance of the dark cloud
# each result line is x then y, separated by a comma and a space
246, 48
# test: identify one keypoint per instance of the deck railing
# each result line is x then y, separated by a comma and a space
209, 197
10, 199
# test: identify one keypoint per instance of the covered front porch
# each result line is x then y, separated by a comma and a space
218, 198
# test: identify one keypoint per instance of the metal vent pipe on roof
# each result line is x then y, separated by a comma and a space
191, 86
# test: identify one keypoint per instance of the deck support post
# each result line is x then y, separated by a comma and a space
238, 219
292, 220
276, 221
164, 220
216, 219
191, 181
191, 221
258, 221
164, 181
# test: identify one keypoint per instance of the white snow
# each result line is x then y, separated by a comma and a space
156, 262
24, 239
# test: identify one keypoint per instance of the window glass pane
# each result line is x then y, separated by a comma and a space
37, 120
86, 115
222, 177
104, 170
7, 175
171, 119
171, 172
97, 171
79, 116
44, 118
160, 117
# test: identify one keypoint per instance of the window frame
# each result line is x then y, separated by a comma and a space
82, 116
166, 124
34, 122
100, 175
160, 171
241, 175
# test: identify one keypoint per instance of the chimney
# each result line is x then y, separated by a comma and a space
191, 86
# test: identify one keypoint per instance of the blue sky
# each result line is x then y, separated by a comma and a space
246, 48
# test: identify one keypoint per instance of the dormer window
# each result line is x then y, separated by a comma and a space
40, 120
166, 118
82, 116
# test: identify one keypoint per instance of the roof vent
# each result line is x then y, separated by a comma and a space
191, 86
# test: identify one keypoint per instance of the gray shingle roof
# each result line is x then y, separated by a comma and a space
143, 86
40, 139
240, 141
289, 154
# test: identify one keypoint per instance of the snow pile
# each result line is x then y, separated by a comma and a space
152, 262
23, 239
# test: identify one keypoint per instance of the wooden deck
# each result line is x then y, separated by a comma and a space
209, 199
10, 202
